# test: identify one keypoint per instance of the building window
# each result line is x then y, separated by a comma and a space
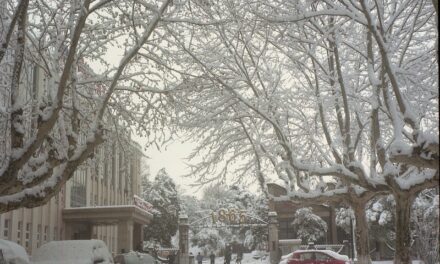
114, 164
46, 230
28, 230
78, 189
38, 235
27, 234
19, 227
6, 228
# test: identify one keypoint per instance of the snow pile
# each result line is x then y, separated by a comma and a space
13, 253
73, 252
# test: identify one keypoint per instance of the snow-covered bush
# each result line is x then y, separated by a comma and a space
343, 218
310, 227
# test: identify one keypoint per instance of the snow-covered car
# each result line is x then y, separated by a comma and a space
11, 252
135, 258
318, 257
73, 252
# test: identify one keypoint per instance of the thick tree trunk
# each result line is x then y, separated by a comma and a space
403, 236
361, 234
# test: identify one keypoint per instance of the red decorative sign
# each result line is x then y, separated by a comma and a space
142, 204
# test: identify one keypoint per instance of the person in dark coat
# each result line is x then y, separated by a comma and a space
199, 258
212, 257
239, 257
228, 255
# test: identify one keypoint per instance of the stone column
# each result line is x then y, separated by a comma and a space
183, 239
274, 251
138, 236
125, 236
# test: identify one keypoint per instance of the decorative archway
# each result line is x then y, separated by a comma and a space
229, 218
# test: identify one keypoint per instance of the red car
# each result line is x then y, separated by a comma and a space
318, 257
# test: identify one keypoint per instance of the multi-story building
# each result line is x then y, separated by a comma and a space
100, 201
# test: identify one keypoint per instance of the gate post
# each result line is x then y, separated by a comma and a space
183, 239
274, 252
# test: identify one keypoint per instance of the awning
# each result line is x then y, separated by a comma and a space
107, 214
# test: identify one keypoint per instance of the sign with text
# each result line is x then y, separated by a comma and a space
142, 204
229, 216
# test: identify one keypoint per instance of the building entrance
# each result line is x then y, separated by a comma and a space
79, 223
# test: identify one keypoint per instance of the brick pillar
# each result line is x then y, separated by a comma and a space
273, 238
183, 239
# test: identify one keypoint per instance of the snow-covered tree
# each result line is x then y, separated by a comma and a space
208, 239
310, 90
425, 221
162, 194
309, 227
381, 217
55, 107
344, 218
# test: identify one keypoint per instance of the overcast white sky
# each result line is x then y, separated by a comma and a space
172, 158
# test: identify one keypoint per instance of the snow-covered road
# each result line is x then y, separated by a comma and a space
247, 259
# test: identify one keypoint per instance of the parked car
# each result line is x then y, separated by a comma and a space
135, 258
73, 252
11, 252
318, 257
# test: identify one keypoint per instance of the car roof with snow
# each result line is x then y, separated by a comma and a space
73, 251
13, 252
326, 251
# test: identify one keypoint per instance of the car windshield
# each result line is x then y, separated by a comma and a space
322, 256
307, 256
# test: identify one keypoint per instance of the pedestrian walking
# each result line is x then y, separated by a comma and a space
199, 258
228, 255
239, 257
212, 257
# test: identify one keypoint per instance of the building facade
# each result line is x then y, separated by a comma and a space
97, 202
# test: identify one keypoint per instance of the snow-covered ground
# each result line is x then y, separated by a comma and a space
247, 259
391, 262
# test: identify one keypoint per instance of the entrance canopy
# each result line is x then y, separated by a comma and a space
107, 214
